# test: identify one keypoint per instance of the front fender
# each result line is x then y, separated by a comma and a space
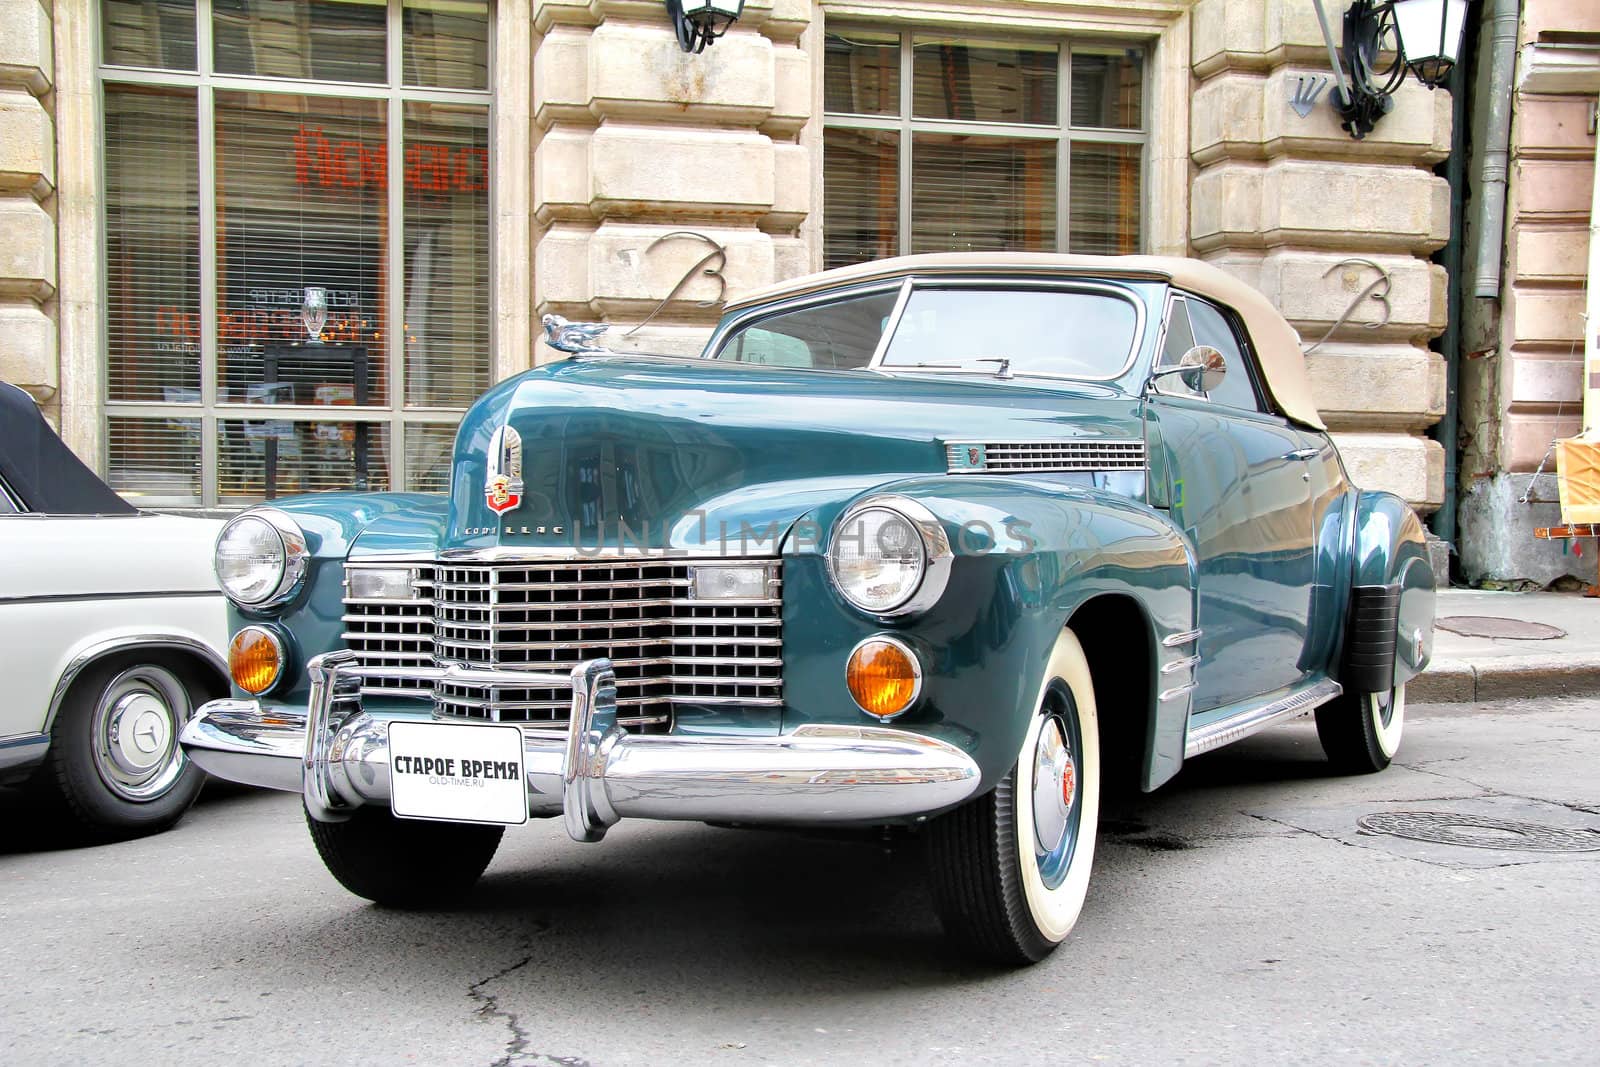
337, 526
1389, 626
1029, 555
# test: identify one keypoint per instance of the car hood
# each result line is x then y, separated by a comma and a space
690, 454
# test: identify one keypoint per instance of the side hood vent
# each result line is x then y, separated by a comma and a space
1040, 457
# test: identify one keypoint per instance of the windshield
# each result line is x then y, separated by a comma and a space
1073, 333
1063, 332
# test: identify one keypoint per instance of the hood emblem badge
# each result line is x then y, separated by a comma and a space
503, 486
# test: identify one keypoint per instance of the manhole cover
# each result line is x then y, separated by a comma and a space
1479, 831
1493, 626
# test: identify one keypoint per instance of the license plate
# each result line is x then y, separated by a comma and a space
457, 773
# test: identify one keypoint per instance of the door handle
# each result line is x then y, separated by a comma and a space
1303, 453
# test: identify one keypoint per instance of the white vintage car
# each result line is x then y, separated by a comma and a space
112, 631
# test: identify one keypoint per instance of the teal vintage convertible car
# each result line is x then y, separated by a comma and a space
945, 542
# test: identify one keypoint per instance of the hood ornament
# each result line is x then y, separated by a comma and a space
503, 486
575, 337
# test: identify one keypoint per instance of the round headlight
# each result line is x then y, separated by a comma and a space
878, 558
260, 558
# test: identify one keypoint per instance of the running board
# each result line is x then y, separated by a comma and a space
1242, 724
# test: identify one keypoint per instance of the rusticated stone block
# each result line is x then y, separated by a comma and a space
1529, 435
1314, 290
1557, 253
561, 270
27, 249
1540, 317
638, 71
1555, 124
1410, 467
1321, 205
643, 170
26, 50
791, 194
1257, 34
633, 267
791, 92
27, 152
1373, 387
1552, 188
28, 349
561, 76
1243, 115
561, 188
1551, 379
791, 258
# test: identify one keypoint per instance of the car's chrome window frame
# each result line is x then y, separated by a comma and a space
909, 283
1265, 404
726, 329
915, 282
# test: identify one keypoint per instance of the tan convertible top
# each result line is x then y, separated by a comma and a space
1276, 343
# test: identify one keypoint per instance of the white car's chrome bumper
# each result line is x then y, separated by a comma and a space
592, 774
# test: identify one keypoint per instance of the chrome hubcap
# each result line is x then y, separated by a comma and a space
1055, 785
135, 732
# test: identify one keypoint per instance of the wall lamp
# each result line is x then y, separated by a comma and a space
699, 22
1420, 36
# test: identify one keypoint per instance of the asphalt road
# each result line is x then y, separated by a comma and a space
1239, 915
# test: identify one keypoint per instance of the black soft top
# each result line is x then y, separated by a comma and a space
41, 471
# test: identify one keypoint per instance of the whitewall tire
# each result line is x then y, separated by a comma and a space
1360, 732
1010, 869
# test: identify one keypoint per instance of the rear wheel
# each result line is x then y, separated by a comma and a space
1360, 732
115, 769
404, 863
1010, 869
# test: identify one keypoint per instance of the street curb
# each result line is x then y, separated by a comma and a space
1459, 681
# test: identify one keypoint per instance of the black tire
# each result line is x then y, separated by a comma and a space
404, 863
999, 897
1360, 732
114, 769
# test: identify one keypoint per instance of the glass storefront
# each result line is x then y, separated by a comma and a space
297, 218
942, 144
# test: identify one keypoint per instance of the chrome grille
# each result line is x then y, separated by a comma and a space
668, 648
971, 457
393, 633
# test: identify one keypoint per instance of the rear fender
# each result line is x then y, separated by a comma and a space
1388, 637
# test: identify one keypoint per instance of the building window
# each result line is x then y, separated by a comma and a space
944, 144
276, 169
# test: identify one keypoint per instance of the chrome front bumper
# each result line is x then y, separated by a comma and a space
592, 774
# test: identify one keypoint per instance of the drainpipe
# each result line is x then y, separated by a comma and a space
1496, 148
1447, 430
1591, 318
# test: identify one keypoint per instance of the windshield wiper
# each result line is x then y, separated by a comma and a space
1002, 371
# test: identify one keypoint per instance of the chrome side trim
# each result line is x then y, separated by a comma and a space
1175, 692
1046, 455
1242, 724
132, 641
1182, 638
1181, 665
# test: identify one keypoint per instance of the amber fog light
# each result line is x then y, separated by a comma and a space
255, 659
884, 677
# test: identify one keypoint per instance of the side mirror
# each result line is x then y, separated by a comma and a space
1202, 369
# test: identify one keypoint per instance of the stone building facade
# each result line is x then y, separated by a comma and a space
611, 161
1523, 330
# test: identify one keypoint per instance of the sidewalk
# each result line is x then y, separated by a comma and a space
1479, 668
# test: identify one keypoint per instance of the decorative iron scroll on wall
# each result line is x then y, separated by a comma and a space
1378, 289
701, 268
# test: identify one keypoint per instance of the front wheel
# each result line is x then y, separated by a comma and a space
404, 863
1010, 870
1360, 732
